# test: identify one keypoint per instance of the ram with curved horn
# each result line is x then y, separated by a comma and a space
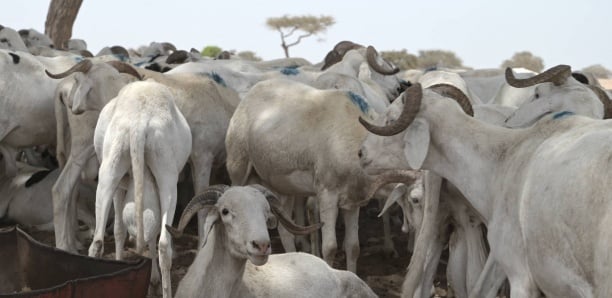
521, 173
237, 223
567, 93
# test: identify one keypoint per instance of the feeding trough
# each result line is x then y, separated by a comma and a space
31, 269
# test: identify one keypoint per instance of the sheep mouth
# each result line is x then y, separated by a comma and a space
258, 259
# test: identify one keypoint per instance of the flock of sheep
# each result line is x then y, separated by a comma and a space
507, 170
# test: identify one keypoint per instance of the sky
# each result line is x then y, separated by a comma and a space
482, 33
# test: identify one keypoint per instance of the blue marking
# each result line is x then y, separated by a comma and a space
360, 102
217, 78
289, 71
139, 64
562, 114
121, 57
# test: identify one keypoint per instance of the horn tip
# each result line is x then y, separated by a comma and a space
174, 232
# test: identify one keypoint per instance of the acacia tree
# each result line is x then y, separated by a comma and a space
438, 58
526, 60
308, 25
401, 59
60, 19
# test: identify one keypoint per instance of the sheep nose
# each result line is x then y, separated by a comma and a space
262, 246
360, 153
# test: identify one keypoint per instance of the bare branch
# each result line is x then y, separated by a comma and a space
299, 39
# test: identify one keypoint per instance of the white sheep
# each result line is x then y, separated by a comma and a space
142, 128
236, 259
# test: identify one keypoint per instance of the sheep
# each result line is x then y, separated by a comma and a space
523, 172
569, 94
206, 104
142, 128
25, 198
300, 141
236, 232
76, 120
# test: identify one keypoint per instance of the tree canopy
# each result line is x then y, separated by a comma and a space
526, 60
308, 25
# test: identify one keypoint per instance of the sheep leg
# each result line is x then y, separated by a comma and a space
299, 209
287, 239
388, 246
112, 169
166, 184
120, 230
62, 194
328, 211
351, 237
490, 280
313, 217
457, 263
201, 167
431, 265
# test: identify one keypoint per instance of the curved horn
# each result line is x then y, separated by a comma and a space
177, 57
119, 50
371, 54
391, 176
412, 103
168, 47
556, 75
331, 58
86, 53
83, 66
603, 96
206, 199
123, 67
455, 93
275, 205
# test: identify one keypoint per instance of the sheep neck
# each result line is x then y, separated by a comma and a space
466, 152
221, 271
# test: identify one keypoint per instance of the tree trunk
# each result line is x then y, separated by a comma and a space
60, 19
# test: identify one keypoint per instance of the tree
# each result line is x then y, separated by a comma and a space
60, 19
249, 55
438, 58
211, 51
526, 60
598, 70
401, 59
309, 25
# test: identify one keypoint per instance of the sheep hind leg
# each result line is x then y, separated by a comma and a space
108, 181
299, 210
201, 167
120, 230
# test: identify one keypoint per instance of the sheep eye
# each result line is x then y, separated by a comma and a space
224, 211
537, 95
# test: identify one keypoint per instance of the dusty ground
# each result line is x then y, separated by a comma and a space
383, 273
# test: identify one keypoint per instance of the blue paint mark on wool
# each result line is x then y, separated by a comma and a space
562, 114
288, 71
217, 78
359, 101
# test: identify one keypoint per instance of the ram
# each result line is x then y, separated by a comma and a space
236, 259
561, 251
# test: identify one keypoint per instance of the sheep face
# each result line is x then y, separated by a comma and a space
244, 222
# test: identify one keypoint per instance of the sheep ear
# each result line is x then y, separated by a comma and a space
398, 192
417, 143
211, 220
529, 113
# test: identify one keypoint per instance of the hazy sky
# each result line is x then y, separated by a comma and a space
482, 33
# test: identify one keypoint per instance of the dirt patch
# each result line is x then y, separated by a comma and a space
382, 272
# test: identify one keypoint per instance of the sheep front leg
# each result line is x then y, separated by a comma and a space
287, 239
329, 214
351, 238
201, 167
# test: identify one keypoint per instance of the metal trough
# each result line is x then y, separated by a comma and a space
29, 268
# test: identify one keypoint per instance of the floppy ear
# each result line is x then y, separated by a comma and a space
398, 192
529, 113
211, 220
417, 143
